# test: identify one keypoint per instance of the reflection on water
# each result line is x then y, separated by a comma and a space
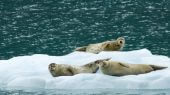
87, 92
56, 27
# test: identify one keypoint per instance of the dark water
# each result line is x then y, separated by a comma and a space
56, 27
87, 92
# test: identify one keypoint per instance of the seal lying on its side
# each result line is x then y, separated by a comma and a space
115, 45
114, 68
69, 70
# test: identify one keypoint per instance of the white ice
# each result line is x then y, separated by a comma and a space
32, 72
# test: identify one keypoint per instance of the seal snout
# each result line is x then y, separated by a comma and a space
121, 40
102, 62
52, 66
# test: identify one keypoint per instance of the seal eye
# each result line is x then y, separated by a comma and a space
97, 62
52, 66
104, 64
90, 65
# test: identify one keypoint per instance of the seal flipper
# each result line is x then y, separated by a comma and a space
81, 48
101, 60
157, 67
96, 70
70, 71
124, 65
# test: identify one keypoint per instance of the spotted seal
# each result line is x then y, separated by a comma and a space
114, 45
70, 70
115, 68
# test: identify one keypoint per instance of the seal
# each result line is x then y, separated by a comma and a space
70, 70
115, 68
60, 70
114, 45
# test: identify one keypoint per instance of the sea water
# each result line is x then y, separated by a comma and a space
87, 92
57, 27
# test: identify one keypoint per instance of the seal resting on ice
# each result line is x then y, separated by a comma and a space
70, 70
115, 68
114, 45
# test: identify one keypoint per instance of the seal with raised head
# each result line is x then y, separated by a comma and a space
114, 45
70, 70
115, 68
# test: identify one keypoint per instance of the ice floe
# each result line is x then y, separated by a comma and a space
32, 72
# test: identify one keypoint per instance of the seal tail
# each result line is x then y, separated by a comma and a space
81, 48
157, 67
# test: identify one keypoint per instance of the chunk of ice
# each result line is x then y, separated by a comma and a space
32, 71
